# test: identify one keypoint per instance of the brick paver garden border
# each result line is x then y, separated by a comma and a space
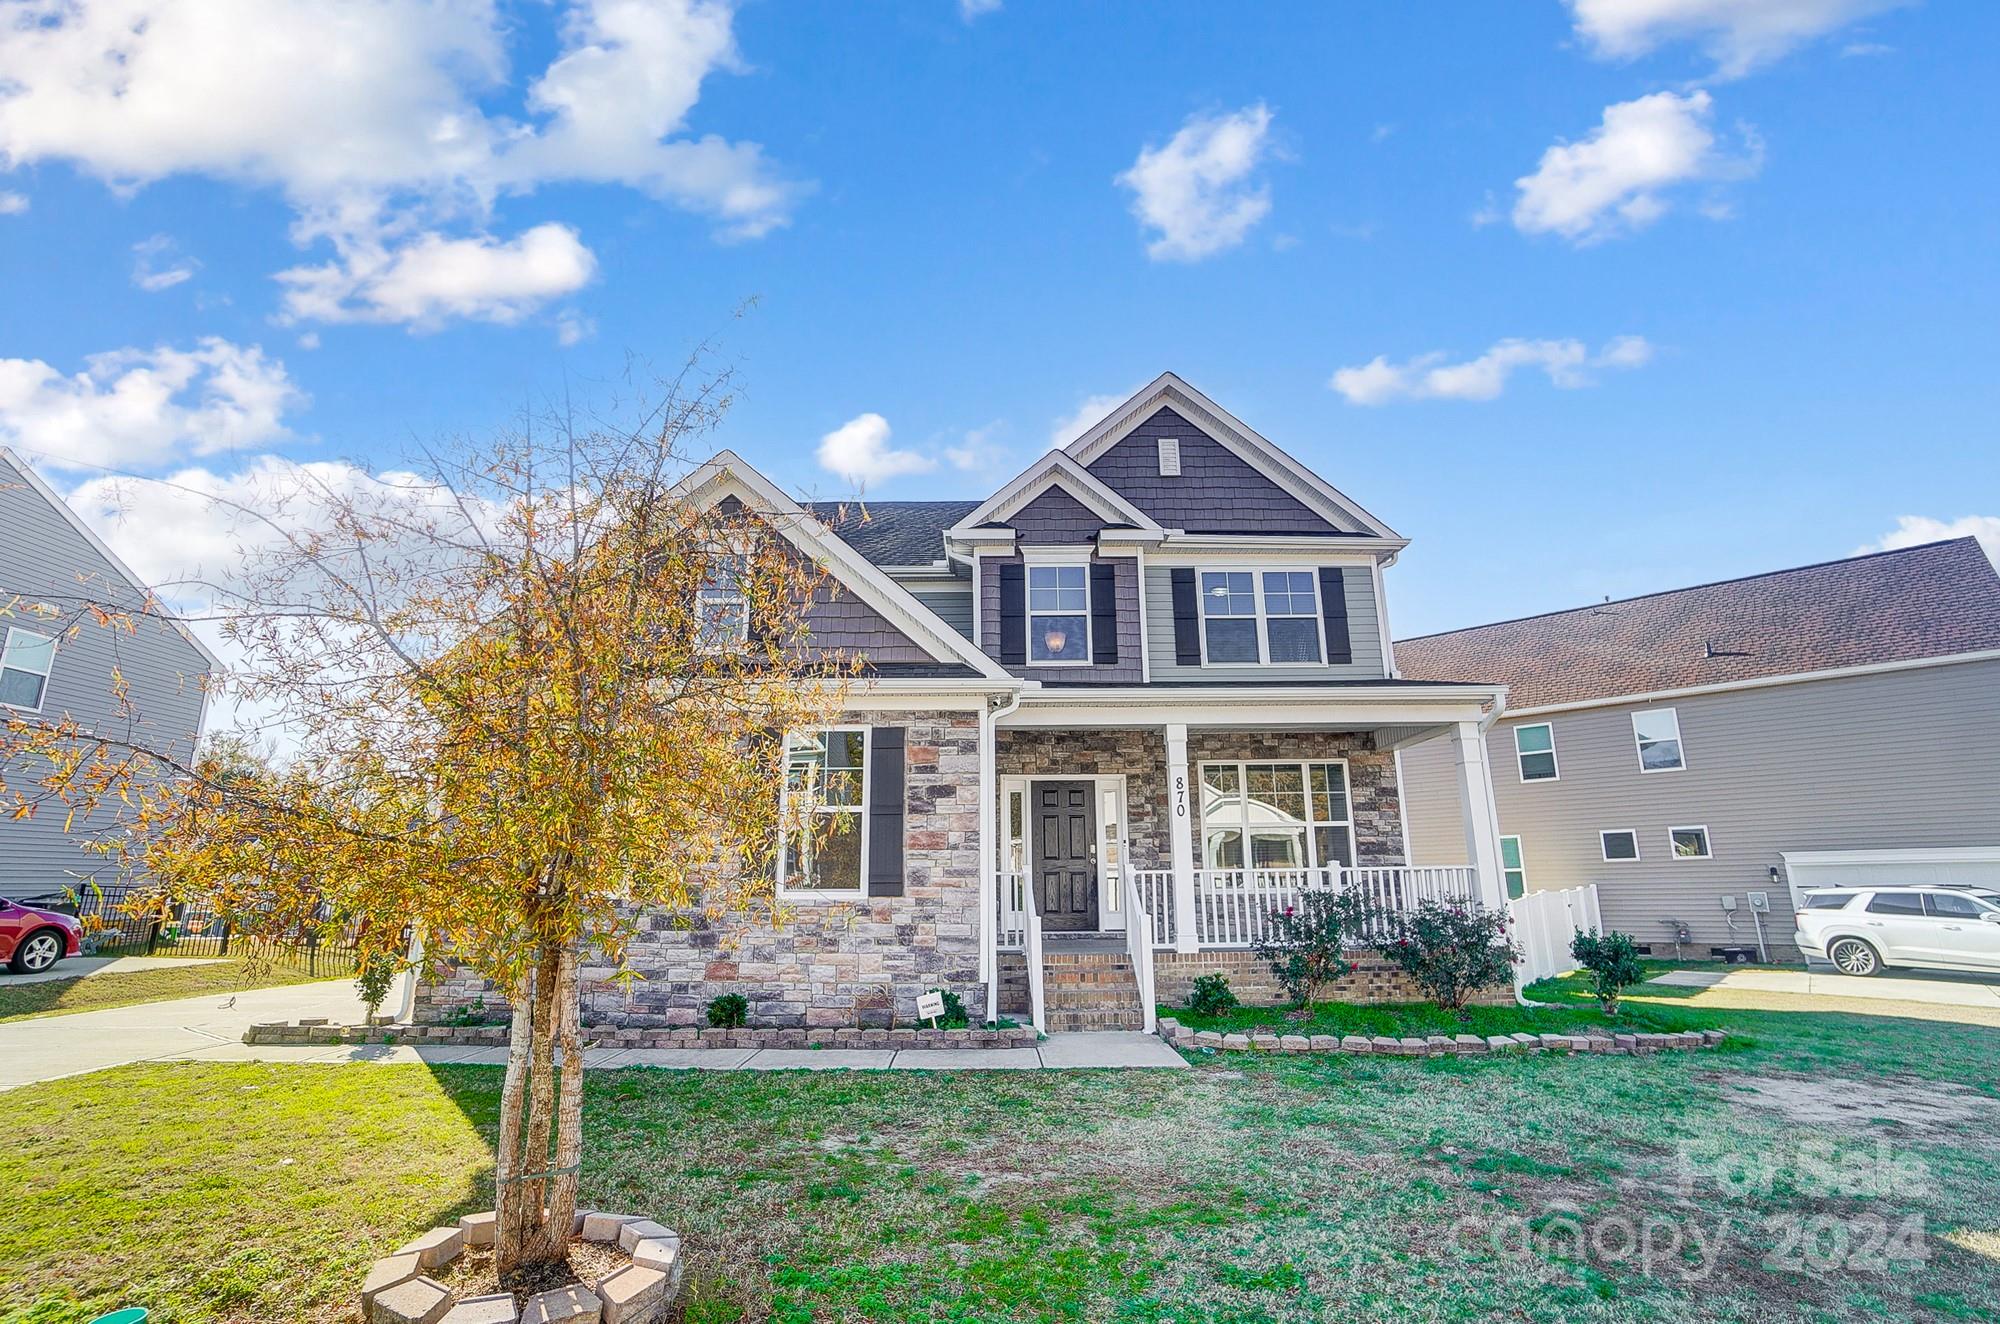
1438, 1045
311, 1033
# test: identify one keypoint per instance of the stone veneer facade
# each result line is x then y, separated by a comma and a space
829, 963
864, 963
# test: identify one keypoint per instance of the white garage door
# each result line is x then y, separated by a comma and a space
1859, 868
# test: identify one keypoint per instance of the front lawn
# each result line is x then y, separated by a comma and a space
55, 997
1248, 1189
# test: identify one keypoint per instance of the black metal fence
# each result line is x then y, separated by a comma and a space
124, 920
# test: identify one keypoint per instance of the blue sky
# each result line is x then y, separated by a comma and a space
1660, 293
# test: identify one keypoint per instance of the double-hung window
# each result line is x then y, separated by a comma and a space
1535, 751
25, 662
1276, 816
1059, 614
1260, 616
1511, 868
823, 849
1658, 734
722, 612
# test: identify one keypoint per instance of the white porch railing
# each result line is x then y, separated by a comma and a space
1031, 936
1233, 907
1139, 942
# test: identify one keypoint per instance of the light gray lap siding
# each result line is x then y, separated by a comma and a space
953, 607
44, 558
1898, 759
1363, 630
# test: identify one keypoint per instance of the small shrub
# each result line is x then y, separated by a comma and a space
954, 1017
468, 1013
1304, 942
729, 1011
1613, 963
1450, 949
372, 983
1210, 995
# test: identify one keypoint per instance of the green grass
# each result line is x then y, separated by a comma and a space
57, 997
1249, 1189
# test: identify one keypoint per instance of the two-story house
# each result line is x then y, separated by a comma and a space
146, 684
1113, 714
1704, 753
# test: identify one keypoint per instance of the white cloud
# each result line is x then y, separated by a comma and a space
157, 265
12, 204
1612, 181
1912, 530
133, 408
1084, 417
858, 451
1738, 34
979, 452
971, 9
573, 328
1197, 192
371, 119
431, 279
1567, 363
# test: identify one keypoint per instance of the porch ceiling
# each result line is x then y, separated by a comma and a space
1396, 714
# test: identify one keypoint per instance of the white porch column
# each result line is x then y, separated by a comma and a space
1482, 819
1180, 836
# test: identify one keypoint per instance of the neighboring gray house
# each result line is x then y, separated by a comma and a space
56, 661
1833, 723
1114, 713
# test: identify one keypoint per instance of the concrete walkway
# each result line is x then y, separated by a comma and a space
82, 967
1941, 989
210, 1029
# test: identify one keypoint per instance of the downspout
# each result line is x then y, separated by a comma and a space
989, 852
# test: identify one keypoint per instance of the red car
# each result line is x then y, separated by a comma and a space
32, 939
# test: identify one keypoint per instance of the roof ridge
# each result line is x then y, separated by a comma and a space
1713, 583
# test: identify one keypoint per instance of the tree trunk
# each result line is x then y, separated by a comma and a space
538, 1200
514, 1217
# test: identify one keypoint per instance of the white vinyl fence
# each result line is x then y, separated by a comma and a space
1544, 922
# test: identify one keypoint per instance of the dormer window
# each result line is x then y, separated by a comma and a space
1170, 457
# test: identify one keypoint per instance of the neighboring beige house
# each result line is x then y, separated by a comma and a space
1113, 714
1722, 745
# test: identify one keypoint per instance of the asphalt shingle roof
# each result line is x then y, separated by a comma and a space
1930, 601
893, 532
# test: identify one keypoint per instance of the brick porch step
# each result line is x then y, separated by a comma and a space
1070, 1020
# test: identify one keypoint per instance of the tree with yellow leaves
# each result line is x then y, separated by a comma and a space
525, 693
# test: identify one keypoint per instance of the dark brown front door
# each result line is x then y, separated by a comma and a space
1065, 855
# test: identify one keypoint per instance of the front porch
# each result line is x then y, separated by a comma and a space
1130, 857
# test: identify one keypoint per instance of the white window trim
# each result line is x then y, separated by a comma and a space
1605, 851
1261, 617
1707, 842
1554, 758
1521, 854
860, 892
1028, 570
54, 642
1305, 767
1637, 746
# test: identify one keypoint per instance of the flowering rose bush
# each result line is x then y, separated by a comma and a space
1305, 941
1451, 949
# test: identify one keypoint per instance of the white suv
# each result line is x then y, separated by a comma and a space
1863, 930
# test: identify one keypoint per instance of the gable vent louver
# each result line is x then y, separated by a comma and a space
1170, 457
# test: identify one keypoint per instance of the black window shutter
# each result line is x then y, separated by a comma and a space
1013, 614
1187, 618
1333, 607
1103, 612
885, 811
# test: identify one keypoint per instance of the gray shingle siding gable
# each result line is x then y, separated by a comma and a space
1053, 518
1127, 670
1364, 635
43, 558
1216, 492
1898, 759
838, 621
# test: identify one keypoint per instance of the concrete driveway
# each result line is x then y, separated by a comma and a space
45, 1047
1937, 988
